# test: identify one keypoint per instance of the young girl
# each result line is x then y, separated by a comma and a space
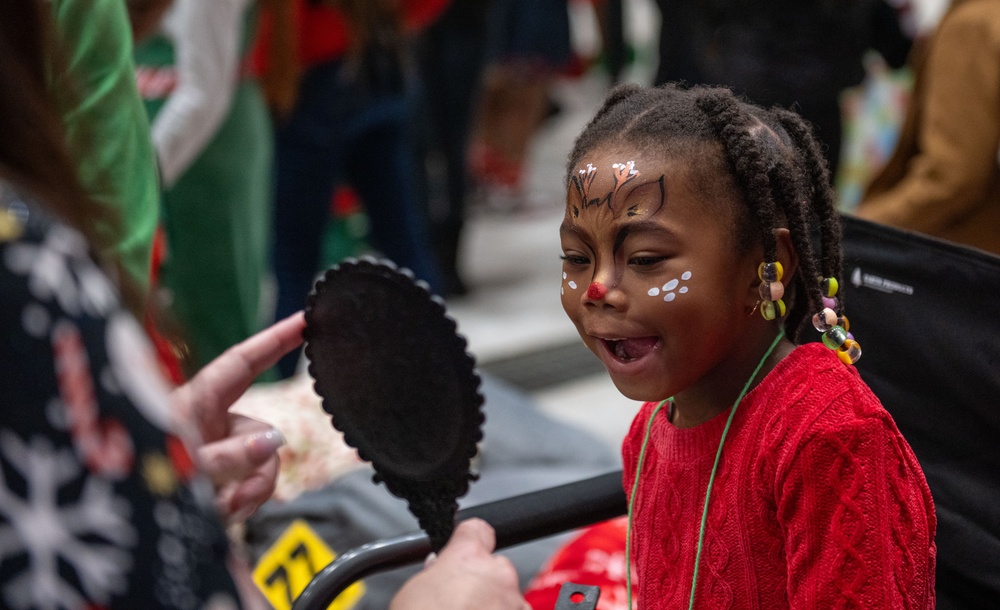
759, 474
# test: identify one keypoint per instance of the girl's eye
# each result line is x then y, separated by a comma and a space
575, 259
646, 261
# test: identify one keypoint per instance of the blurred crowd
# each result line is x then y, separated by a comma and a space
229, 150
289, 133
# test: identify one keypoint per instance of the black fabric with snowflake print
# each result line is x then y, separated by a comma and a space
100, 506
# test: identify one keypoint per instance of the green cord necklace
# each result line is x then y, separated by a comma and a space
711, 479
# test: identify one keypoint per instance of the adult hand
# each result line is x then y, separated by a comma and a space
464, 576
238, 453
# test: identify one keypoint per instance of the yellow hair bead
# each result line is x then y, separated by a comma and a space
830, 286
849, 352
772, 309
844, 357
770, 272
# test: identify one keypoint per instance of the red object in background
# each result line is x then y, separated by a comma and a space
345, 201
595, 557
488, 166
170, 364
324, 32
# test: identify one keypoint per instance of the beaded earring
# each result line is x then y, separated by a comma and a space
771, 290
834, 325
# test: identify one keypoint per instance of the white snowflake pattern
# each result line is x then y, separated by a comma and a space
50, 268
49, 532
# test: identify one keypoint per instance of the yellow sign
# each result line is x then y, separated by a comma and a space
292, 561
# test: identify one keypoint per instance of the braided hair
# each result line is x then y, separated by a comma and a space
765, 162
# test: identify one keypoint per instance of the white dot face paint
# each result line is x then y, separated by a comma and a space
564, 275
670, 287
572, 284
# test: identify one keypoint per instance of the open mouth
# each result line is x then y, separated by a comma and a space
627, 350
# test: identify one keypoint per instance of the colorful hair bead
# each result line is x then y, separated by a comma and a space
849, 352
770, 272
829, 286
771, 291
834, 325
824, 320
772, 309
835, 337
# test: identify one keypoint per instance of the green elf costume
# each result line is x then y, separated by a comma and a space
212, 135
106, 128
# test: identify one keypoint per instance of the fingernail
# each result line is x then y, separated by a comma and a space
431, 558
263, 444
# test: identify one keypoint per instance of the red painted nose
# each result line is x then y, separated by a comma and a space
596, 291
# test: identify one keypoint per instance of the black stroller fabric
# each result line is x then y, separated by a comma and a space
927, 317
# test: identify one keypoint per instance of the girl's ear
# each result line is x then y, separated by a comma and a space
787, 255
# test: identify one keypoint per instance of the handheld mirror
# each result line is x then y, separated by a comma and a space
397, 380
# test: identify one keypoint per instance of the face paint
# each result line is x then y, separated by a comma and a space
570, 283
596, 291
670, 287
582, 182
656, 336
621, 174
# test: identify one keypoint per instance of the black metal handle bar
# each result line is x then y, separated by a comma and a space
518, 519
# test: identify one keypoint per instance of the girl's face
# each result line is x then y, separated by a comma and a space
651, 277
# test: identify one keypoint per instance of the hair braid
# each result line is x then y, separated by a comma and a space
822, 195
592, 134
747, 157
791, 194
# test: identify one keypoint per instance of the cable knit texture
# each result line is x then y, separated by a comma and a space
819, 502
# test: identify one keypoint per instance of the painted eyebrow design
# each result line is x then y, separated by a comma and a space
643, 185
663, 193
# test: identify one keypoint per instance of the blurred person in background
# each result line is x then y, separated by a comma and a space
106, 129
943, 178
529, 47
344, 100
212, 137
95, 469
101, 500
451, 53
789, 53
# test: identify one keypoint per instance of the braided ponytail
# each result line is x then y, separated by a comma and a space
747, 158
823, 198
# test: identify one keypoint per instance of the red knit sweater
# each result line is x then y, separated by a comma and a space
818, 501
